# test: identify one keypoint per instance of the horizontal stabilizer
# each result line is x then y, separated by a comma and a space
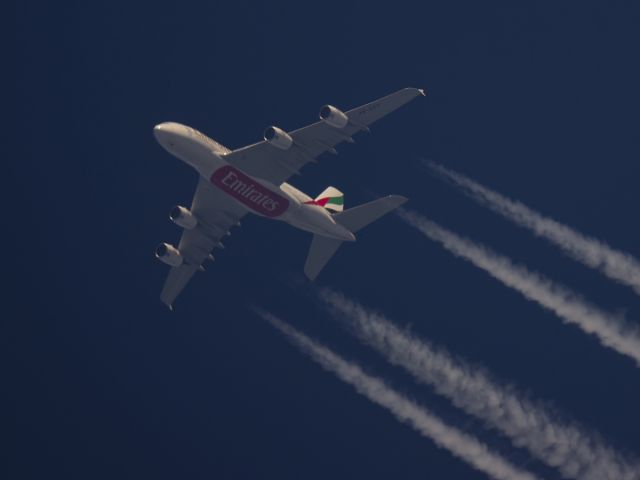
320, 252
362, 215
323, 248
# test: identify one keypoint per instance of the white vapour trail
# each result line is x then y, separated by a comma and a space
619, 266
575, 452
612, 331
461, 445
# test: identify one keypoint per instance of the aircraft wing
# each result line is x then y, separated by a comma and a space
264, 160
216, 214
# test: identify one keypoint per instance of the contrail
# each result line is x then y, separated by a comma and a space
612, 331
567, 447
461, 445
619, 266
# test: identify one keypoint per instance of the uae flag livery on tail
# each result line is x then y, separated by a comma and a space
331, 199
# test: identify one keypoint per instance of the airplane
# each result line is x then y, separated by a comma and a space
253, 179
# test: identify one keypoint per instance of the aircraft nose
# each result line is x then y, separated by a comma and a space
158, 131
161, 130
167, 134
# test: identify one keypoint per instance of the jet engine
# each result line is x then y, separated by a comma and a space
183, 217
278, 138
334, 117
169, 254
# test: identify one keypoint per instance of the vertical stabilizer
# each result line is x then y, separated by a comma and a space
331, 199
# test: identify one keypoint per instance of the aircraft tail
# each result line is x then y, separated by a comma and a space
353, 219
331, 199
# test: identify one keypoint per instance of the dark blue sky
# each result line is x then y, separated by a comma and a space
538, 101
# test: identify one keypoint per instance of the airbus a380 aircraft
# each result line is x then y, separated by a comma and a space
252, 180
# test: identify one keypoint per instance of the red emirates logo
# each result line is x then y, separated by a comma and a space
249, 192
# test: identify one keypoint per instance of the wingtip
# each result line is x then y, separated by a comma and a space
166, 302
310, 275
416, 91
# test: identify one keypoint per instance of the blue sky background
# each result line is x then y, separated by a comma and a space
538, 100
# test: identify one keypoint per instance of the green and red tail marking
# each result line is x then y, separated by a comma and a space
331, 199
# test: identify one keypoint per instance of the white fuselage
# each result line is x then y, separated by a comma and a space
279, 202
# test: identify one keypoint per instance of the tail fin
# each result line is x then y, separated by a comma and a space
331, 199
323, 248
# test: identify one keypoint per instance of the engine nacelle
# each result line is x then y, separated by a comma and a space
278, 138
169, 254
183, 217
334, 117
